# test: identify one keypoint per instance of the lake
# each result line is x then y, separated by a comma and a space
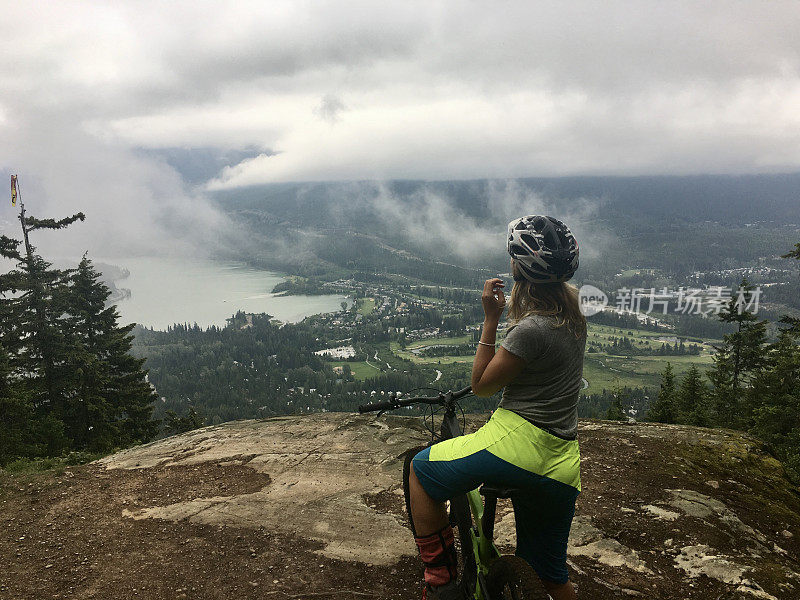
164, 291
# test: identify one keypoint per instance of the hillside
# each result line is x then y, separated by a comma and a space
311, 506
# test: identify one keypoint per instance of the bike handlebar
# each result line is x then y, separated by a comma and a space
395, 402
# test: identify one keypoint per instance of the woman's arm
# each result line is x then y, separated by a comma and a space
493, 371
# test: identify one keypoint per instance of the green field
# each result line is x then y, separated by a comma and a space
605, 372
462, 339
601, 371
604, 334
444, 360
361, 370
365, 306
432, 360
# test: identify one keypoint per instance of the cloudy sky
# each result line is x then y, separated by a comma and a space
94, 93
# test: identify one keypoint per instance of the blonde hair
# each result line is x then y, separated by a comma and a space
559, 300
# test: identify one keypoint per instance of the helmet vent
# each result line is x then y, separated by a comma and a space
530, 240
517, 249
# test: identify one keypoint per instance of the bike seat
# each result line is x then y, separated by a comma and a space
499, 492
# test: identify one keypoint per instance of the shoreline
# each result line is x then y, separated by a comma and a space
160, 292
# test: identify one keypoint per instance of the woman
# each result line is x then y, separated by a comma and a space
530, 441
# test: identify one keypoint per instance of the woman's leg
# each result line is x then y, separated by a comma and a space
543, 519
560, 591
429, 515
434, 538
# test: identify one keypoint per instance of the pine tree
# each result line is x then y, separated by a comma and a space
68, 378
15, 407
174, 424
737, 361
775, 398
663, 409
27, 429
616, 410
32, 332
113, 401
724, 402
793, 253
747, 342
15, 416
792, 322
693, 399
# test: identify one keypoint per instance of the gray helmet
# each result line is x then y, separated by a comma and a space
544, 248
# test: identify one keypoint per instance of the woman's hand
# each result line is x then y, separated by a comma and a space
493, 299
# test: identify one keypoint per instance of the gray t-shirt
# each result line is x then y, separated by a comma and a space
546, 391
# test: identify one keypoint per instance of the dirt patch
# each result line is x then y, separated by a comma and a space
389, 502
66, 538
161, 485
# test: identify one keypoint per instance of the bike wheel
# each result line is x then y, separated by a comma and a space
512, 578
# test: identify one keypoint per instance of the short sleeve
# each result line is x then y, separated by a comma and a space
526, 340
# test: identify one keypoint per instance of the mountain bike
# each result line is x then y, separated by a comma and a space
485, 573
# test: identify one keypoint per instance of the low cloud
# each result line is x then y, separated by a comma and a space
331, 91
134, 204
466, 223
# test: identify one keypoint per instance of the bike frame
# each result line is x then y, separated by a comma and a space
481, 530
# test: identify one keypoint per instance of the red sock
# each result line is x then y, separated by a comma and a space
439, 556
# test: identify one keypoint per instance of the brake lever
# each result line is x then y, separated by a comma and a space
392, 397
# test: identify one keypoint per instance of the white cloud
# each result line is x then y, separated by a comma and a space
408, 90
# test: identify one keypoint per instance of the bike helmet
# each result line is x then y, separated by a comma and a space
544, 248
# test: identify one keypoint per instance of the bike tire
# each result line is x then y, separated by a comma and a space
512, 578
410, 454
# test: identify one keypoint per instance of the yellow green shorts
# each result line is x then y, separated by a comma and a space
509, 451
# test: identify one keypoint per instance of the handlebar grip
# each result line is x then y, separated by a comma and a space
364, 408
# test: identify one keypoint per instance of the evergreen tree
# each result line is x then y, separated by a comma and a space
31, 357
693, 399
112, 404
616, 410
747, 342
174, 424
67, 378
33, 333
793, 253
792, 322
663, 409
15, 416
725, 403
775, 398
737, 361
